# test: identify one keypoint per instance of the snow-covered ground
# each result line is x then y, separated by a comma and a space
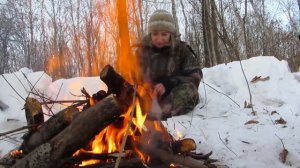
217, 124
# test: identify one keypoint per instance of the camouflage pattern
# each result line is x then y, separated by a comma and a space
178, 69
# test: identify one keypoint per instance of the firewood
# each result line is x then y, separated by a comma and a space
116, 84
125, 163
49, 129
167, 157
34, 113
83, 155
84, 128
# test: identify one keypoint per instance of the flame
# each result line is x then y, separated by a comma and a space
109, 140
53, 64
179, 135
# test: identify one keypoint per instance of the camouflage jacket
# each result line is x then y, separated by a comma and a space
170, 65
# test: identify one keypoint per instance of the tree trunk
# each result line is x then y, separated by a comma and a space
175, 18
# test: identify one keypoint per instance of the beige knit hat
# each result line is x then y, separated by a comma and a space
161, 20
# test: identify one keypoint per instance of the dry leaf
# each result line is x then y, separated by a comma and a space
251, 122
255, 79
274, 112
283, 155
259, 78
280, 121
247, 105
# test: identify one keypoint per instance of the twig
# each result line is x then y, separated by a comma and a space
12, 87
247, 85
85, 93
128, 127
64, 101
17, 133
222, 94
227, 146
15, 143
272, 121
182, 125
15, 130
280, 141
38, 93
20, 82
33, 86
55, 98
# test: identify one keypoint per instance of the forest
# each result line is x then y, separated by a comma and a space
78, 38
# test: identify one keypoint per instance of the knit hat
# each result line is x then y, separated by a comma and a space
161, 20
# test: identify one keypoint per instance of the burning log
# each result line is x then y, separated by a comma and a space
168, 158
125, 163
116, 84
60, 148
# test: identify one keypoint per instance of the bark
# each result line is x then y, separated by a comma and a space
168, 158
84, 128
49, 129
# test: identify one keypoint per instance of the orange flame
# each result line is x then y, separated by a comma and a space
110, 139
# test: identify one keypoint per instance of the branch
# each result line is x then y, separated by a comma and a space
15, 130
64, 101
247, 85
222, 94
12, 87
128, 128
226, 145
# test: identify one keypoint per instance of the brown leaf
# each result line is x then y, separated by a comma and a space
247, 104
280, 121
259, 78
251, 122
255, 79
283, 155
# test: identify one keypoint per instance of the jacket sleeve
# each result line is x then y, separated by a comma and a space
190, 70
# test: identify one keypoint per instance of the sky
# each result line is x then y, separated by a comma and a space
219, 121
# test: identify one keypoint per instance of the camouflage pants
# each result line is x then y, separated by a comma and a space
182, 99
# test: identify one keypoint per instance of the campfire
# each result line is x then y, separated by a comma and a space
112, 130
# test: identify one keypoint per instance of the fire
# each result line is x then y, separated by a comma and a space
109, 140
179, 134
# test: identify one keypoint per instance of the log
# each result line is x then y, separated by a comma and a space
34, 113
77, 135
49, 129
125, 163
117, 85
168, 158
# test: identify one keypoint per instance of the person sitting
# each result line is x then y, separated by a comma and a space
171, 67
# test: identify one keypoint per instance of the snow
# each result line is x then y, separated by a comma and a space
217, 123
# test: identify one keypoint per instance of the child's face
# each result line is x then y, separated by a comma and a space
160, 38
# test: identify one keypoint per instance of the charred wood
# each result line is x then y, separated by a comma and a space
167, 157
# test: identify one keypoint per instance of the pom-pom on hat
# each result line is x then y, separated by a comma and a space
161, 20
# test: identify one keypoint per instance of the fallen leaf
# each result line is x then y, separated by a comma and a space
280, 121
283, 155
251, 122
259, 78
247, 105
274, 112
255, 79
